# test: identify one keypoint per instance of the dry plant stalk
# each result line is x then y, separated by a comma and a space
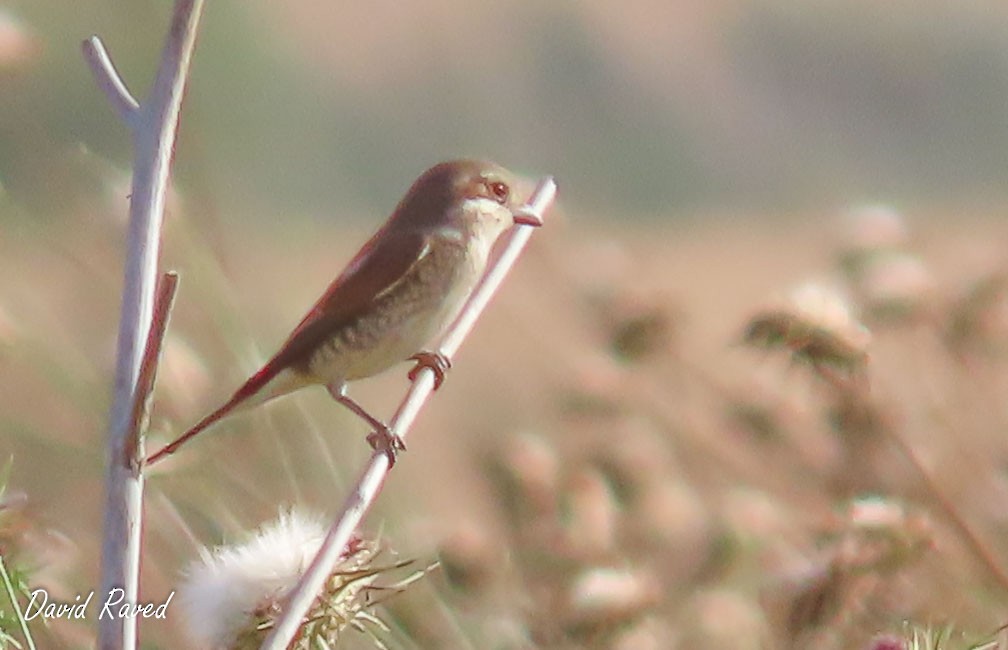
140, 413
153, 125
369, 484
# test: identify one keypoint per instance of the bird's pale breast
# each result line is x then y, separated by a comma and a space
404, 317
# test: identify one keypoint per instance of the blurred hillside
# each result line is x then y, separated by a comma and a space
312, 108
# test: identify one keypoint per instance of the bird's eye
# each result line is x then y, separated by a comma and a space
500, 191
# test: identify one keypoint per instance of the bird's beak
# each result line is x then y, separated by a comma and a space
524, 217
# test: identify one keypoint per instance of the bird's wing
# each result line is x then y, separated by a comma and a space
380, 264
383, 261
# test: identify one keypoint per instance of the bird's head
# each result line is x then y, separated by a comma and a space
474, 196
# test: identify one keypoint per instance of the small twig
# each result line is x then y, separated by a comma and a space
977, 545
366, 490
109, 81
163, 302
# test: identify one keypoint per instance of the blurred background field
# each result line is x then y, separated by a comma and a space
609, 464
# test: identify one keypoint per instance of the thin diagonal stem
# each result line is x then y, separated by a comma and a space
951, 510
5, 578
366, 490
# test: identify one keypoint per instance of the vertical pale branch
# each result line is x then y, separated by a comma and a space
366, 490
153, 124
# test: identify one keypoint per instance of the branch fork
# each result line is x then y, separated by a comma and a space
108, 79
153, 125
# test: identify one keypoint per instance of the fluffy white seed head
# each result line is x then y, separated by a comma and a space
228, 585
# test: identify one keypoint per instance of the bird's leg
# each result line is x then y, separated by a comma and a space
437, 362
382, 438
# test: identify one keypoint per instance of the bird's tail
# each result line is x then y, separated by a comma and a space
254, 392
170, 448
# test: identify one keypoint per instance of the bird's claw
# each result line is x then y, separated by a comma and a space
437, 362
382, 439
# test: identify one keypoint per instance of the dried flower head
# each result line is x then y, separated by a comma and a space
592, 514
887, 642
879, 534
469, 556
605, 595
640, 328
874, 538
978, 322
529, 472
815, 323
895, 286
875, 513
231, 595
670, 514
871, 228
754, 519
230, 586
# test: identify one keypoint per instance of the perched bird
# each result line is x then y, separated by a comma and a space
403, 288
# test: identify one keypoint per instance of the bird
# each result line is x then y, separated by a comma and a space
403, 288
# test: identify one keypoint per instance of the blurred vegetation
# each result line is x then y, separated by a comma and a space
757, 104
611, 467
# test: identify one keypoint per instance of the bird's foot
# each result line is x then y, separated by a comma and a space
437, 362
382, 439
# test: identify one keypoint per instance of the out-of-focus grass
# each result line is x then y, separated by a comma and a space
608, 465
